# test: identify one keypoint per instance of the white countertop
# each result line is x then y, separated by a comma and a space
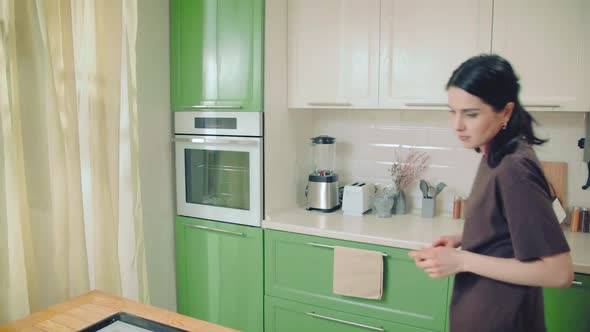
401, 231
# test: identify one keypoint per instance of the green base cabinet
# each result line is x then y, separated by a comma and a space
567, 309
216, 55
300, 268
220, 273
449, 298
289, 316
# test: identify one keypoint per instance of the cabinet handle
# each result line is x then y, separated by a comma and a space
314, 103
542, 105
214, 140
330, 247
426, 105
213, 106
215, 229
577, 283
445, 105
313, 314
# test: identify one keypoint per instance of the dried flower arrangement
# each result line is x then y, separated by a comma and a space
407, 167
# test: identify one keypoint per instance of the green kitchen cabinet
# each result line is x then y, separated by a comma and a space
566, 309
220, 273
289, 316
300, 268
449, 298
217, 55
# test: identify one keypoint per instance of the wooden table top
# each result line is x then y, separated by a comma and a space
93, 306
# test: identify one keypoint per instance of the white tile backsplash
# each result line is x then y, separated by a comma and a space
366, 140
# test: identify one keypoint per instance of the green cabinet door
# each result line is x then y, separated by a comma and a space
300, 268
216, 55
289, 316
219, 273
566, 309
450, 297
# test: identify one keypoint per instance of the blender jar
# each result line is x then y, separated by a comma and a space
324, 155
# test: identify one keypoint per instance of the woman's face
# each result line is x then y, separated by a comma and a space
474, 121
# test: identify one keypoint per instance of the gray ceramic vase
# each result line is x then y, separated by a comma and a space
400, 205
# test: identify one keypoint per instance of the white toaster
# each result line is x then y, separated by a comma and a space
357, 198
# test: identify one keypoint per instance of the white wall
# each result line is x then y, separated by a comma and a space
365, 140
283, 129
156, 163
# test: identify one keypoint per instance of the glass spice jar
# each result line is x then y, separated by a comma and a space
575, 221
585, 220
457, 202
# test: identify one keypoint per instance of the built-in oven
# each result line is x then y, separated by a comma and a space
219, 166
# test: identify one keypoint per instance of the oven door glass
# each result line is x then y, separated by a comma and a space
219, 178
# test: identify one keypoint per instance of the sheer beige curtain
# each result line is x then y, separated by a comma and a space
70, 206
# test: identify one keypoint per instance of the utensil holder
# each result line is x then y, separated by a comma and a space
428, 207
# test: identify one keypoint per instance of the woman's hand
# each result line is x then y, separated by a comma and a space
452, 241
438, 262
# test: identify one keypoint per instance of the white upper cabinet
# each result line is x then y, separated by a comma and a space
333, 53
422, 42
399, 54
548, 43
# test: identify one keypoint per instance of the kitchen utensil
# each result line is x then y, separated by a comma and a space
429, 191
587, 185
582, 145
439, 188
424, 188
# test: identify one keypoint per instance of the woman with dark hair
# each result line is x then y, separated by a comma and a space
512, 244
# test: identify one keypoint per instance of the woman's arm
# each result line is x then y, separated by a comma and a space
550, 271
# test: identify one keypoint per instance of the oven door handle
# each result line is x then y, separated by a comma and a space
214, 140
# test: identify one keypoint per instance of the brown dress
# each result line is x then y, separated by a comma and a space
509, 215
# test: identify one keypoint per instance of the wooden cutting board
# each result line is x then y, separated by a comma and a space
556, 174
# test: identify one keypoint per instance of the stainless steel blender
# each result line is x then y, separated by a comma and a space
322, 186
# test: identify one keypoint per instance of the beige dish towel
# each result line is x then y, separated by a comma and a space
358, 273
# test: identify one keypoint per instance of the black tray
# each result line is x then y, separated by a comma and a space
132, 320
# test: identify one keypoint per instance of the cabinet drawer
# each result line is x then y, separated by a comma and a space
567, 308
298, 270
289, 316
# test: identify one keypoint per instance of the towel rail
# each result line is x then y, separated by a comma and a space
331, 247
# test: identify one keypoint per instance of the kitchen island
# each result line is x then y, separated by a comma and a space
94, 306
